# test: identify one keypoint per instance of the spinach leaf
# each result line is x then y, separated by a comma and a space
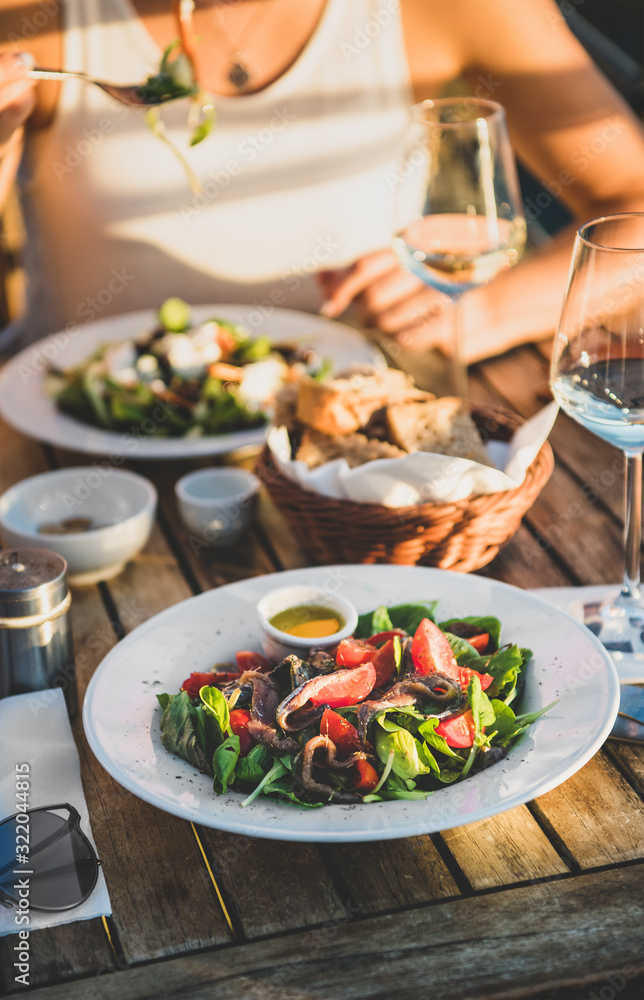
252, 768
410, 756
215, 705
485, 623
405, 616
463, 652
224, 760
178, 734
163, 700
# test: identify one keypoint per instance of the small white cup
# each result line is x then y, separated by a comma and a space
216, 504
277, 644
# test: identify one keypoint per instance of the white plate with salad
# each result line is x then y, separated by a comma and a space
120, 397
568, 667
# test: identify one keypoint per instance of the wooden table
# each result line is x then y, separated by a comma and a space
543, 901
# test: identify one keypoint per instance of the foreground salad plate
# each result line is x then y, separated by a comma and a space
27, 406
121, 713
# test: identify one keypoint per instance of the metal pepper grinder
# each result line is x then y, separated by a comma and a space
36, 650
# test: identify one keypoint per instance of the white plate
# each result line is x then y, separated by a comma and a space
25, 405
121, 714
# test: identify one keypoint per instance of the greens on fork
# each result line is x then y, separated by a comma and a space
402, 708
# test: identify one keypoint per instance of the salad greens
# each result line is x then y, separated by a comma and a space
181, 380
402, 708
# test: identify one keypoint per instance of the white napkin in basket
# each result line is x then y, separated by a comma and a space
35, 731
420, 477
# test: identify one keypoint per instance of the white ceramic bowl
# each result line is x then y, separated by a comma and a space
121, 502
277, 644
217, 504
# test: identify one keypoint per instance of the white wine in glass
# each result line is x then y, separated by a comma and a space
597, 377
460, 213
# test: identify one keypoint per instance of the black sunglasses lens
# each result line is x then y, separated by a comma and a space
61, 869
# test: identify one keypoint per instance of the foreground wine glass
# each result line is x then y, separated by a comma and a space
597, 377
460, 213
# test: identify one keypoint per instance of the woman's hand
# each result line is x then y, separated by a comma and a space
17, 94
392, 299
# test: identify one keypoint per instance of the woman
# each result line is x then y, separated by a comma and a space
294, 209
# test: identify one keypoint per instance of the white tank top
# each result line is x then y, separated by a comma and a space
295, 178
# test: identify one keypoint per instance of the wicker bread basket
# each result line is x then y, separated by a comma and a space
463, 535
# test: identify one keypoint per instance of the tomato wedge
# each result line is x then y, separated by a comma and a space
345, 736
384, 660
365, 776
480, 640
459, 731
247, 660
193, 684
380, 637
239, 719
344, 687
466, 673
353, 652
431, 652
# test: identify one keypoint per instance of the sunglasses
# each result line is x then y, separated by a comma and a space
46, 861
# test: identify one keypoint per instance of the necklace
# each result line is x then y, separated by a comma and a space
239, 73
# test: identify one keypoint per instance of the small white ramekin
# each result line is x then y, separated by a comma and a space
277, 644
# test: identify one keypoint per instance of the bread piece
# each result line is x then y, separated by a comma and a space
442, 426
315, 449
285, 406
343, 405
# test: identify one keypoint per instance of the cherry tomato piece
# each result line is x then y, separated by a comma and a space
247, 660
469, 632
345, 736
466, 674
459, 731
384, 660
239, 719
365, 776
193, 684
344, 687
380, 637
352, 653
431, 652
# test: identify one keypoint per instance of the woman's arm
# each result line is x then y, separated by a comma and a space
29, 32
569, 127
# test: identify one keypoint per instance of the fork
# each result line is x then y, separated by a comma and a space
132, 95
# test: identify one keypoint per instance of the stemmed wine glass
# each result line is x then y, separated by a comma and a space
459, 213
597, 377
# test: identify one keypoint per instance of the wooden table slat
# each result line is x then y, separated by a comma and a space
502, 945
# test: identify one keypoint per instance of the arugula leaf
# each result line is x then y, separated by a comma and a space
277, 771
505, 666
224, 760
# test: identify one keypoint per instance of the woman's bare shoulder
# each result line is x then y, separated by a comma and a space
500, 35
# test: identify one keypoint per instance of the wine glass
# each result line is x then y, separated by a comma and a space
459, 213
597, 377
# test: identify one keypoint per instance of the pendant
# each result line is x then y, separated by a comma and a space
238, 75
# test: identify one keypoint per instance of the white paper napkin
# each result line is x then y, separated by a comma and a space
420, 477
35, 730
572, 600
